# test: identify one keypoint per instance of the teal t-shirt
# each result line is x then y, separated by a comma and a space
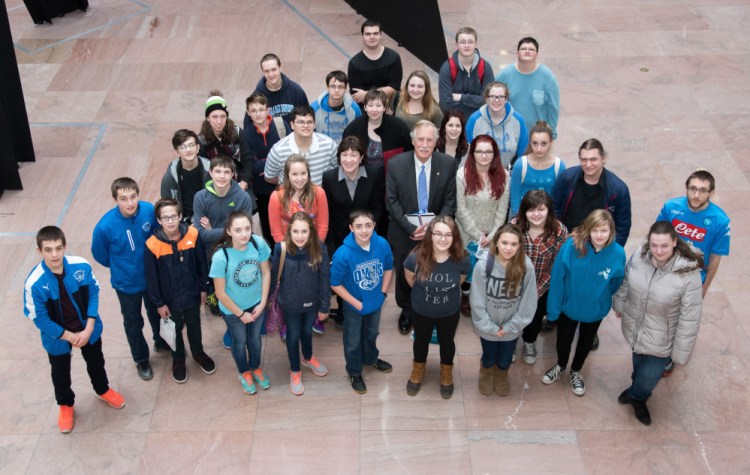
243, 276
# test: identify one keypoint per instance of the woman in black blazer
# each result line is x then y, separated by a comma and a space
352, 185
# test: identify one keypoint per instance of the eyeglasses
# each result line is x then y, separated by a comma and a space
496, 98
187, 146
484, 153
258, 111
169, 219
441, 236
304, 122
533, 50
701, 191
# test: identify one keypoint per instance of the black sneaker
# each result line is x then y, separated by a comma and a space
595, 343
548, 326
641, 412
383, 366
358, 384
179, 372
144, 370
207, 364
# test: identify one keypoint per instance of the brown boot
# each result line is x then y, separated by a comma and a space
446, 381
486, 380
502, 386
415, 380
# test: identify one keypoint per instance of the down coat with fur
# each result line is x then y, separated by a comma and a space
660, 306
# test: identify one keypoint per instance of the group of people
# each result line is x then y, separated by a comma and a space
463, 202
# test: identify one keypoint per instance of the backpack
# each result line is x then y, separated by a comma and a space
226, 254
525, 166
454, 69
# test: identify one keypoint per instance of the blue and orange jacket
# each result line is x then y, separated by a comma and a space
176, 271
41, 301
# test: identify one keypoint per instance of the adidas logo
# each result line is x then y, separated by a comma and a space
231, 204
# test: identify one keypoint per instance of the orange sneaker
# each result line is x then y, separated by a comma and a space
65, 419
113, 398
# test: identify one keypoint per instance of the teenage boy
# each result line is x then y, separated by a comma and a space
335, 108
119, 242
375, 67
213, 205
187, 174
360, 274
61, 297
262, 133
533, 86
177, 278
282, 93
319, 150
464, 76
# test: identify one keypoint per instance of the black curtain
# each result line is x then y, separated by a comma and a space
15, 135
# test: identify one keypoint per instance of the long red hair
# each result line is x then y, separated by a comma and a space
474, 182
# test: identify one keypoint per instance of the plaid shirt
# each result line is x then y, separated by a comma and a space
542, 254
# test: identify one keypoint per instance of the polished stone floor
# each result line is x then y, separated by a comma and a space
662, 83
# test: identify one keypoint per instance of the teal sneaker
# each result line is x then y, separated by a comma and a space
260, 377
248, 385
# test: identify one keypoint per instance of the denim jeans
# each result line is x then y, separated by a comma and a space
498, 353
92, 355
647, 371
191, 319
360, 336
299, 331
246, 343
130, 307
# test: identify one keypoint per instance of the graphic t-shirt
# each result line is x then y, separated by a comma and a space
439, 295
708, 230
243, 275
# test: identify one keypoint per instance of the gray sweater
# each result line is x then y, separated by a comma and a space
491, 308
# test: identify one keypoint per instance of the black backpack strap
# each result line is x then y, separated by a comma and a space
489, 266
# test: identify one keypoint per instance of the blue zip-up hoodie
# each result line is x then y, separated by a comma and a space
361, 272
582, 287
41, 301
302, 288
119, 243
330, 122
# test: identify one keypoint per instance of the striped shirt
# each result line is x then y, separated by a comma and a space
321, 157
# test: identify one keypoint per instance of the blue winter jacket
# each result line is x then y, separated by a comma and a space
616, 195
41, 301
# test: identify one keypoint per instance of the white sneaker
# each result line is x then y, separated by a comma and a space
552, 374
576, 382
529, 353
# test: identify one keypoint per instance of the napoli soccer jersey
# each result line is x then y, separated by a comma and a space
708, 230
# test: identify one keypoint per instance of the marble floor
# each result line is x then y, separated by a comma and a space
663, 84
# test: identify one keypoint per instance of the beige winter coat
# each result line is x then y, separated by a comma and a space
660, 306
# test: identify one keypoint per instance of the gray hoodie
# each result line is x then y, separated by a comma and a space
491, 309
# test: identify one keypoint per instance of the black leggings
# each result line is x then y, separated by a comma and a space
566, 331
532, 329
446, 332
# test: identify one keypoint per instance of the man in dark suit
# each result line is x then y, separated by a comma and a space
422, 175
